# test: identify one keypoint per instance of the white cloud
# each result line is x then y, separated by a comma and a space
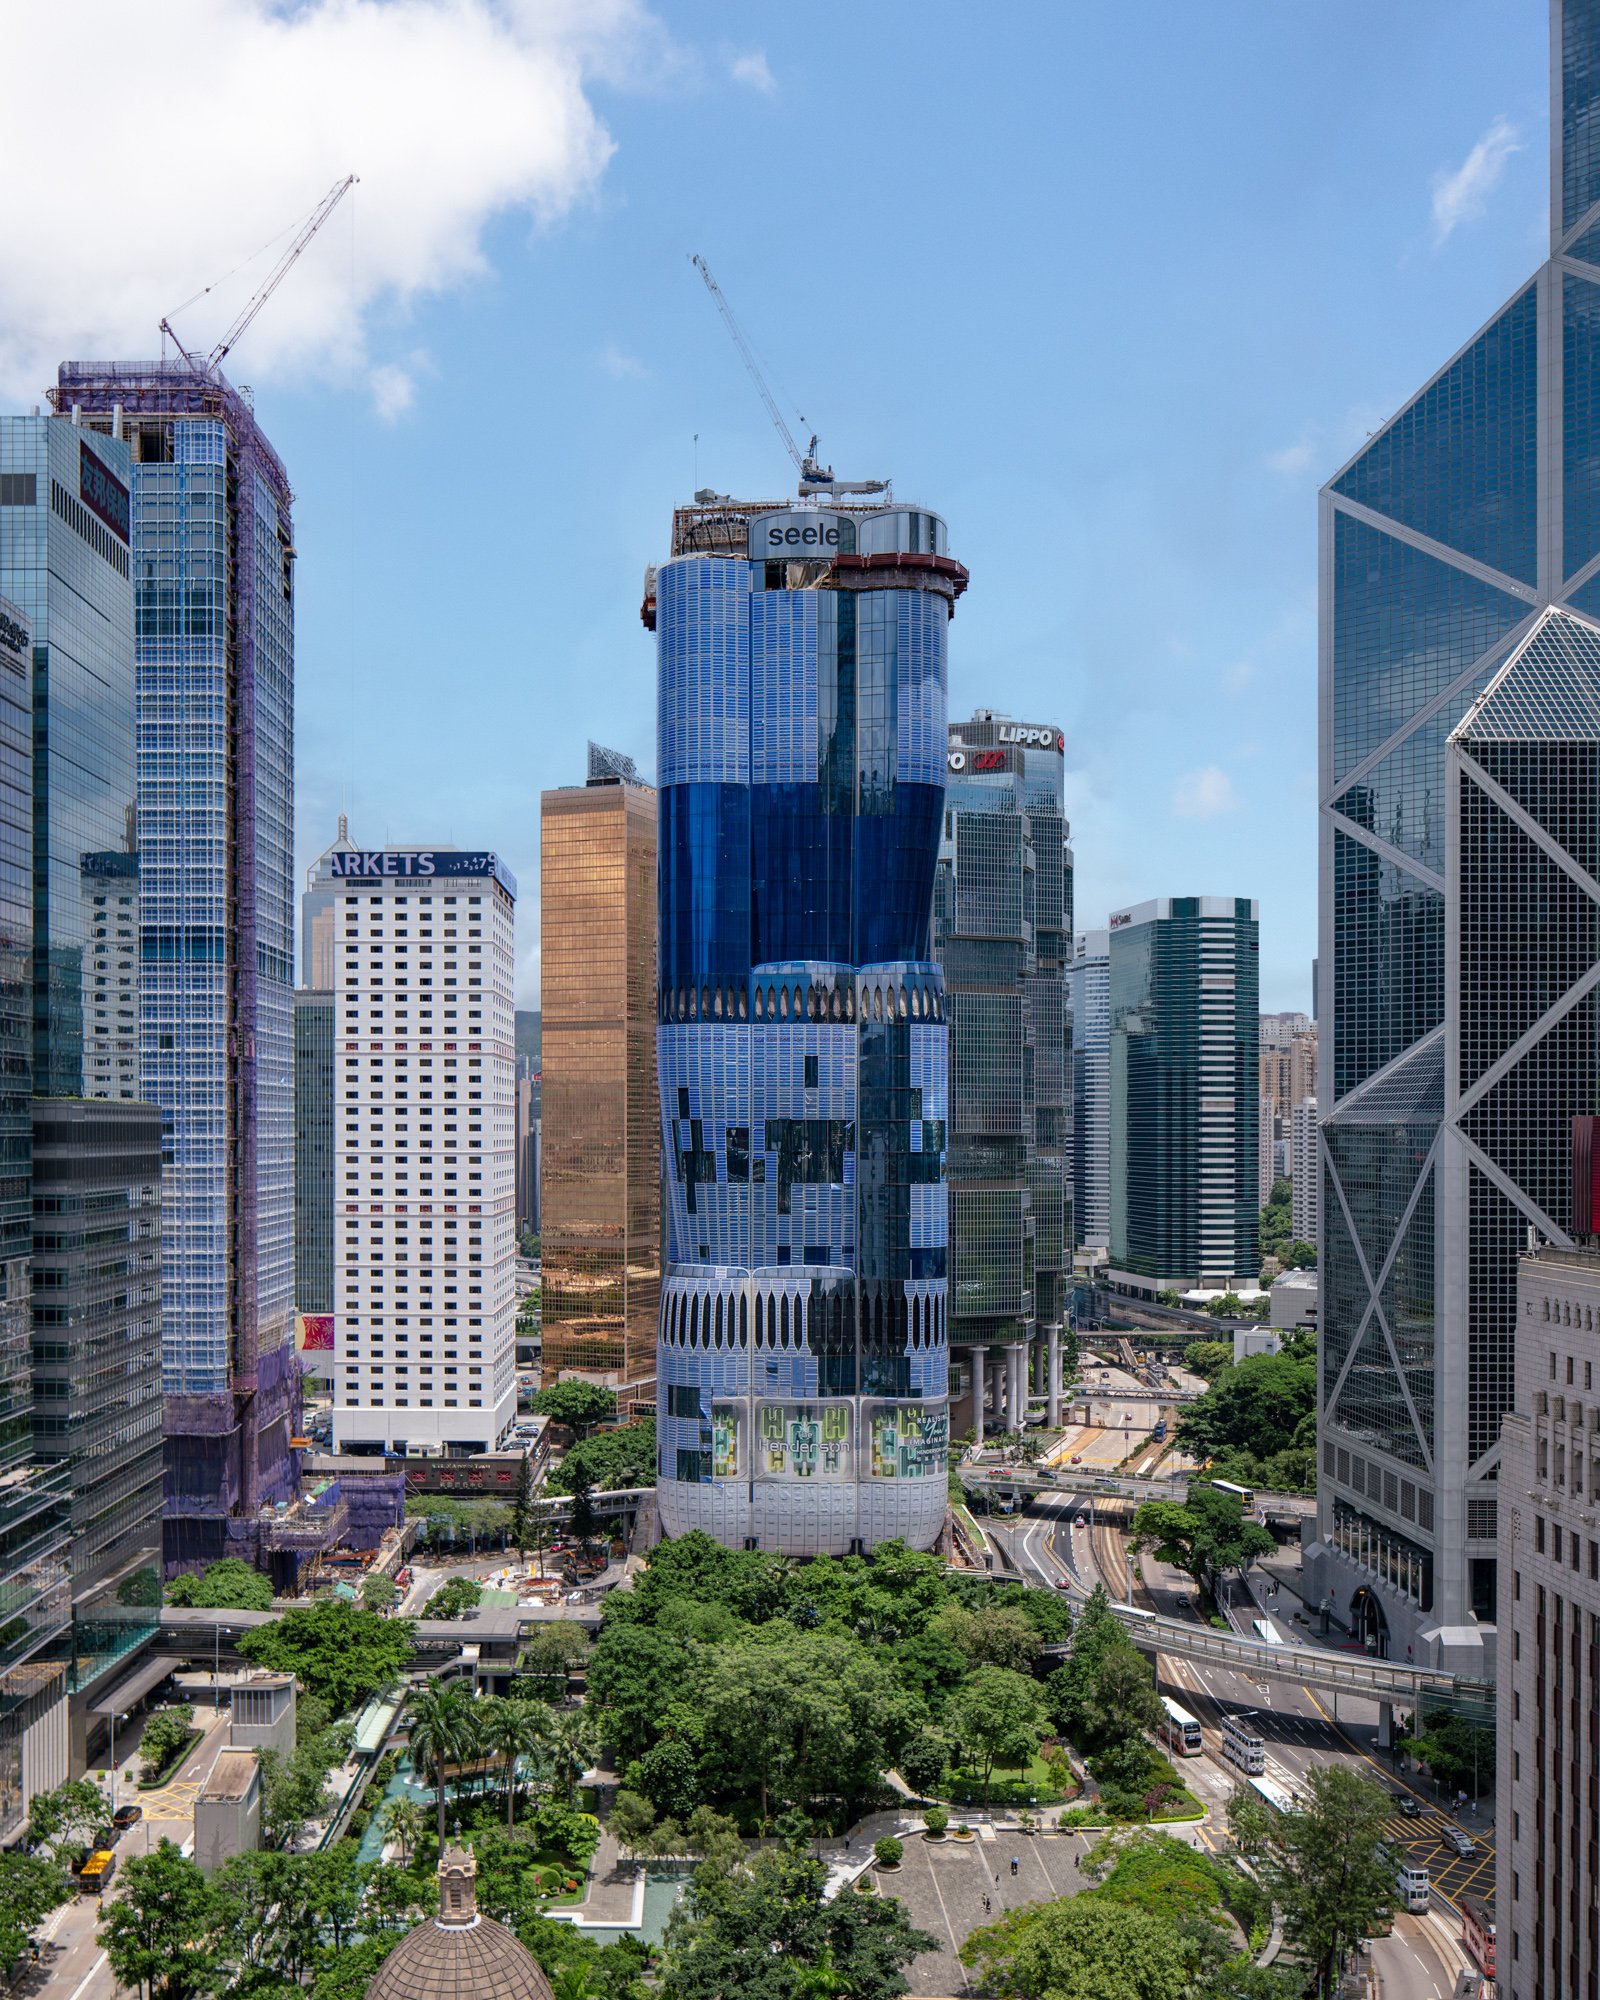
453, 112
620, 365
1294, 459
394, 390
1238, 677
1203, 794
751, 70
1460, 196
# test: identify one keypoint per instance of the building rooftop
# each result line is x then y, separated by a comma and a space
232, 1775
459, 1954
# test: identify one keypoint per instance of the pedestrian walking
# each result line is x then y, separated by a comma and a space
1015, 1864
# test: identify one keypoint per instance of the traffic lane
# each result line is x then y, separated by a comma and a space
1411, 1963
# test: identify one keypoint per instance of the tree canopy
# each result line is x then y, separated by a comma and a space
229, 1585
576, 1404
1206, 1535
608, 1460
341, 1652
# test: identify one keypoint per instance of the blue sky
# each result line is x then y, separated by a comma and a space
1113, 288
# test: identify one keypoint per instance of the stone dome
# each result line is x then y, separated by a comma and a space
459, 1954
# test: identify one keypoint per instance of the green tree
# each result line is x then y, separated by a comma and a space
578, 1405
403, 1821
583, 1520
1329, 1867
998, 1718
159, 1933
571, 1739
799, 1714
1265, 1404
513, 1729
635, 1674
1120, 1703
454, 1599
1205, 1535
1228, 1305
31, 1886
764, 1933
67, 1817
608, 1461
1001, 1635
347, 1976
521, 1528
632, 1820
229, 1585
1277, 1220
1300, 1256
922, 1762
550, 1653
168, 1732
379, 1593
443, 1731
340, 1652
1456, 1751
1083, 1948
1209, 1358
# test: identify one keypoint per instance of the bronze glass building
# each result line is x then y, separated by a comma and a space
600, 1151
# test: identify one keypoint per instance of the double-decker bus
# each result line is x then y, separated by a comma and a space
1246, 1495
1477, 1934
1179, 1730
1242, 1745
1412, 1882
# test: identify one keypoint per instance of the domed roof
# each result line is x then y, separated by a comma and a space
459, 1954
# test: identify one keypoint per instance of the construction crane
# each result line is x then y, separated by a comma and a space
319, 215
814, 478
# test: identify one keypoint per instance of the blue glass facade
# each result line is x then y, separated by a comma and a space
213, 573
801, 1055
1475, 509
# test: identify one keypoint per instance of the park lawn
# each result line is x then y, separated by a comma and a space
965, 1786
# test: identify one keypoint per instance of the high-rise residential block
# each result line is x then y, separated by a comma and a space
65, 557
1457, 1033
424, 1188
1184, 1095
1305, 1172
1266, 1150
212, 556
600, 1138
35, 1525
801, 741
1002, 930
1089, 1038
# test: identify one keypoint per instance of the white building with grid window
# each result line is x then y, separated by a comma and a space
424, 1130
1305, 1172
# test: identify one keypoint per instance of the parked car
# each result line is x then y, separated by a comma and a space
1463, 1843
1410, 1805
126, 1816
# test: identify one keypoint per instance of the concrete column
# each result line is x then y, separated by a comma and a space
1017, 1385
1036, 1356
976, 1357
1052, 1375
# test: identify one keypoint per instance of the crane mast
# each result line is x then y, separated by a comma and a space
319, 215
814, 478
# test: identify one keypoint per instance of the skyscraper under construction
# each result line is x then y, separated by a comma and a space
213, 559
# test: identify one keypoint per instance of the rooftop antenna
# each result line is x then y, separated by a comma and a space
814, 478
319, 215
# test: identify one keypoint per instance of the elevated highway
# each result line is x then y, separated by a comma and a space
1022, 1483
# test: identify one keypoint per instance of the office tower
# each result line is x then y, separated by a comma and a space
213, 572
34, 1507
424, 1183
600, 1244
1547, 1811
317, 902
1184, 1095
1089, 1013
1002, 925
314, 1151
803, 1365
65, 558
1443, 540
1305, 1175
529, 1114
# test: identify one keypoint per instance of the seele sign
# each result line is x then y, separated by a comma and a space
801, 536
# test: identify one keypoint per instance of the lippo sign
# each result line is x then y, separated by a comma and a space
801, 536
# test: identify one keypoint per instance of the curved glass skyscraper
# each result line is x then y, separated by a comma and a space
803, 1355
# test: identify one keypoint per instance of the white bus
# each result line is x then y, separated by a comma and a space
1268, 1633
1241, 1745
1179, 1730
1413, 1886
1273, 1795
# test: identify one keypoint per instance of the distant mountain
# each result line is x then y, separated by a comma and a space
528, 1024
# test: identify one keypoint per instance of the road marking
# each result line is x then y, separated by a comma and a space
93, 1969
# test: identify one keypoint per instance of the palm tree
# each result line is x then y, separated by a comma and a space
444, 1731
571, 1748
403, 1820
514, 1729
571, 1982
